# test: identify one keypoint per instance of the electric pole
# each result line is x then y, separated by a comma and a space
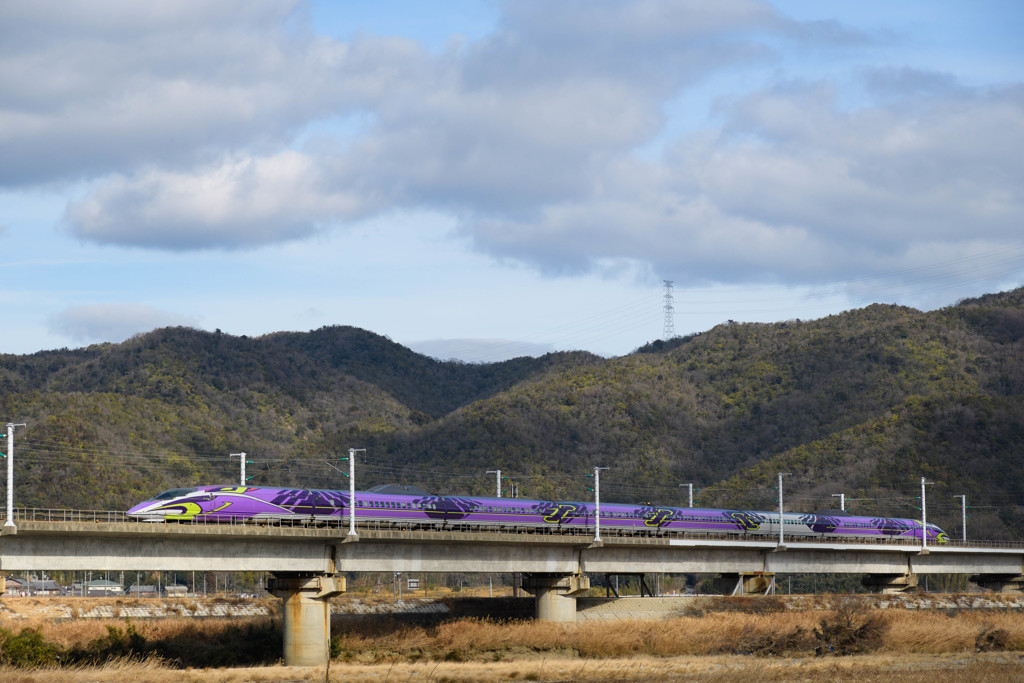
690, 486
924, 518
10, 471
241, 460
963, 517
497, 474
781, 520
597, 503
352, 535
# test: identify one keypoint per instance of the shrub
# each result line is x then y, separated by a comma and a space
762, 644
27, 650
851, 629
990, 639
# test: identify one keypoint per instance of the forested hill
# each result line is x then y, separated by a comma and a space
115, 422
864, 403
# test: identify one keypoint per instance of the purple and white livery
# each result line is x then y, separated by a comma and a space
289, 505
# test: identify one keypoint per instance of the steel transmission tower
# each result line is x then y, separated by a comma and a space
670, 329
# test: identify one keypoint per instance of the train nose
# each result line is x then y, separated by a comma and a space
141, 510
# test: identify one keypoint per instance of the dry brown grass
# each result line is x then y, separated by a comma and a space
713, 633
937, 632
81, 631
915, 645
785, 633
705, 635
985, 668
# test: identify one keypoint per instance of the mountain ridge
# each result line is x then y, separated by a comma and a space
866, 400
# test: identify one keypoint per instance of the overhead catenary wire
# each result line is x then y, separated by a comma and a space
890, 501
57, 451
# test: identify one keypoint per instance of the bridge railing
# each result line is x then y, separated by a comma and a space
58, 515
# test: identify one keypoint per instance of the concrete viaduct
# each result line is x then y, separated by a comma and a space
306, 561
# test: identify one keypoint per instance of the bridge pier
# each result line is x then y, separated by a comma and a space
745, 583
890, 583
306, 622
1000, 583
556, 594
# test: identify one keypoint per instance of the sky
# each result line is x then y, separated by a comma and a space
479, 180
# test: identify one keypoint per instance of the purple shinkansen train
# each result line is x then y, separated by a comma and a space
312, 506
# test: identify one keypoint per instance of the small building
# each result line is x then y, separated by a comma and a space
15, 586
103, 588
142, 591
175, 590
44, 587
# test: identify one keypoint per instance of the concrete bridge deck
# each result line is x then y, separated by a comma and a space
100, 545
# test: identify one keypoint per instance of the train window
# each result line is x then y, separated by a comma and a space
174, 493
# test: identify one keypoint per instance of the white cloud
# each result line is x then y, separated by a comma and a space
102, 87
112, 322
792, 187
237, 203
186, 121
502, 126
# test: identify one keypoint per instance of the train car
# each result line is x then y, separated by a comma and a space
316, 506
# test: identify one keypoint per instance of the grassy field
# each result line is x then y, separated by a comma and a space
730, 640
975, 668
